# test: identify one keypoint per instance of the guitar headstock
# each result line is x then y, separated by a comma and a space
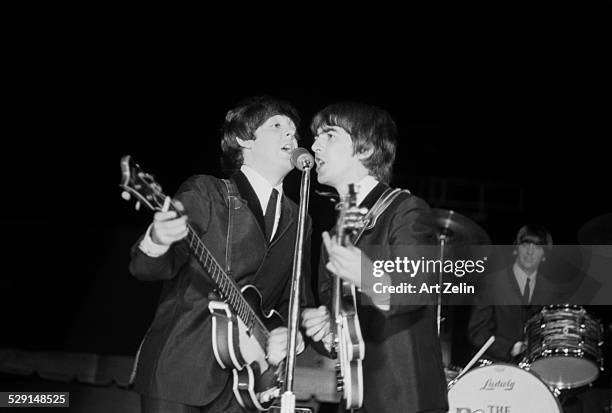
350, 217
140, 185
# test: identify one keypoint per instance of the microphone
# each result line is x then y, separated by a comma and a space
300, 158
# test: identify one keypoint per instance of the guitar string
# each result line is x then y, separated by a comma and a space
237, 301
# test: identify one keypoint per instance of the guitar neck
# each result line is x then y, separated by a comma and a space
227, 287
336, 289
337, 281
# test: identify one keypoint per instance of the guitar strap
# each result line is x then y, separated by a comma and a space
377, 210
232, 202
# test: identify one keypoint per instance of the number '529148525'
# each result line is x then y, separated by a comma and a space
34, 398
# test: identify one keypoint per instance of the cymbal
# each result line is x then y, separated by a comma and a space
597, 231
455, 228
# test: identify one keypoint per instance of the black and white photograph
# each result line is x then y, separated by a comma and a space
306, 208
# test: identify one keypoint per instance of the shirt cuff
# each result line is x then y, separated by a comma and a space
149, 247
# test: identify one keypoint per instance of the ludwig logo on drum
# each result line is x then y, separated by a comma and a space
491, 384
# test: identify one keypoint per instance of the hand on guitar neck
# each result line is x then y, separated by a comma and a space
168, 227
350, 263
247, 339
345, 261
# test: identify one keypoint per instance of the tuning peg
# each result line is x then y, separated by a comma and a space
137, 206
126, 195
339, 385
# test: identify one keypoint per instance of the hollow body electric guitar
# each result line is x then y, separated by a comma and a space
240, 326
348, 343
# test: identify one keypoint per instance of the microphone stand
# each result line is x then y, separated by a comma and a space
288, 397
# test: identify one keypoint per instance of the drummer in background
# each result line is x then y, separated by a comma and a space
508, 298
504, 300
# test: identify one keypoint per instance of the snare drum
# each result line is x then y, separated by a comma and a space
501, 387
564, 346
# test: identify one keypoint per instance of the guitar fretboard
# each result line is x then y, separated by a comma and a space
229, 290
148, 192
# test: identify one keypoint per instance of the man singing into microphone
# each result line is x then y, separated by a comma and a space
249, 225
402, 369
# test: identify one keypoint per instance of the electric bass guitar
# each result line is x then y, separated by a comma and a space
347, 340
240, 326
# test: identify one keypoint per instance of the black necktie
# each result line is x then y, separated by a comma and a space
271, 213
526, 292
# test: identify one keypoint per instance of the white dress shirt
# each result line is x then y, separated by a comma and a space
364, 187
263, 189
521, 278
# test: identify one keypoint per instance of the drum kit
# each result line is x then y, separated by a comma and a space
563, 344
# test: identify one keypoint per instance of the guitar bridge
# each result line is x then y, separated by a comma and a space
295, 409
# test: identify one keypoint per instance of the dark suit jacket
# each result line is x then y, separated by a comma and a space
499, 311
402, 368
176, 360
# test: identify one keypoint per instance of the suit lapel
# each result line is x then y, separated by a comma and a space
542, 291
369, 201
248, 194
514, 285
286, 219
525, 310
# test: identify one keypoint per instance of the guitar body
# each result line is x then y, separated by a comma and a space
348, 341
240, 327
350, 349
256, 383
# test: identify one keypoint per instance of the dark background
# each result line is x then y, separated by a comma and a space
510, 103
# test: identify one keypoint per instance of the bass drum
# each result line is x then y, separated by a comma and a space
501, 388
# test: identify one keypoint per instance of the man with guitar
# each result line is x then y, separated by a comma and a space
215, 237
402, 364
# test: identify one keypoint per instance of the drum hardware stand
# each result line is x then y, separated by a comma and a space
452, 227
442, 238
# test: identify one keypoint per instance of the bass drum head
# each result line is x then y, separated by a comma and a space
501, 388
